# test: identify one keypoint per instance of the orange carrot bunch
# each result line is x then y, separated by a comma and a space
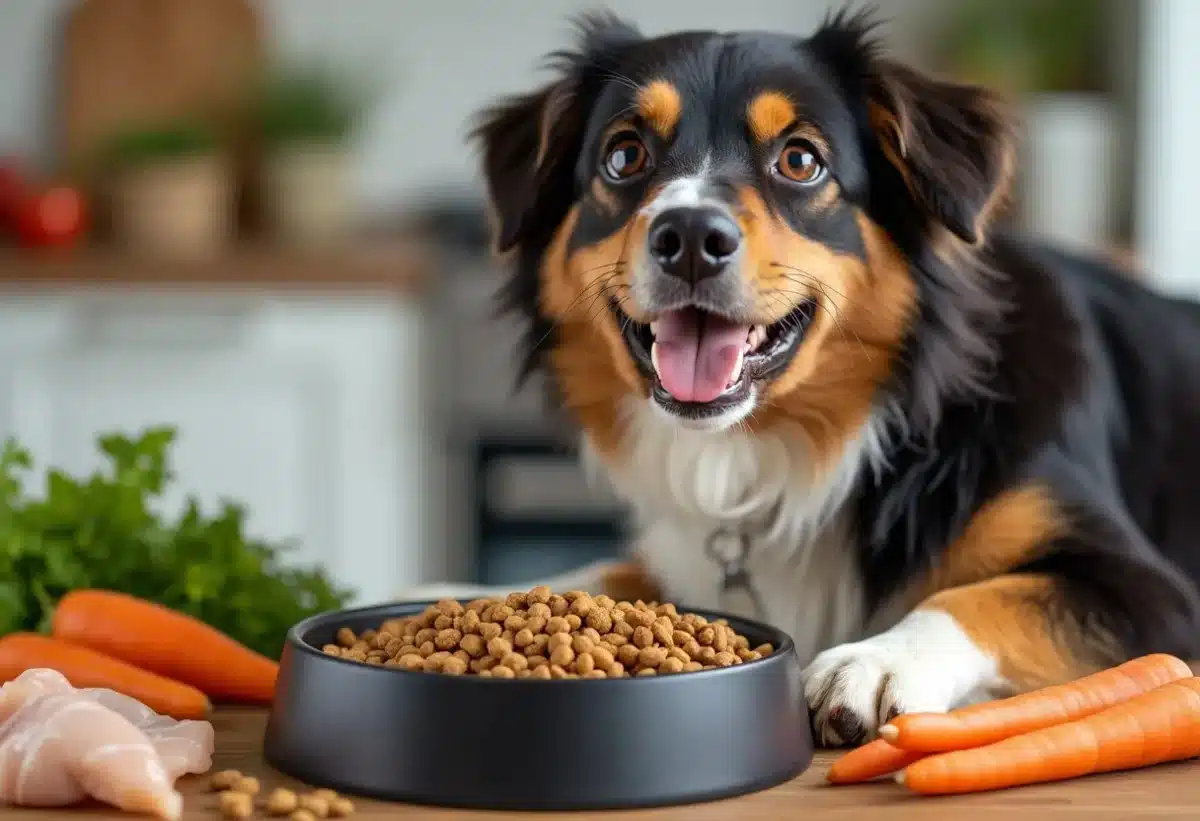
1143, 712
168, 660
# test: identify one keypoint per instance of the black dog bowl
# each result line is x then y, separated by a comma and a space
463, 741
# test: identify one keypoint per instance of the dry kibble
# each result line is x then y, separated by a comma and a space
282, 801
448, 639
454, 666
652, 656
499, 613
340, 807
515, 661
627, 654
247, 785
236, 804
721, 641
514, 623
473, 645
316, 804
225, 779
541, 634
643, 637
302, 815
603, 657
678, 654
671, 665
562, 655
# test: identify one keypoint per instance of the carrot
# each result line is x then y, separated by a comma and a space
869, 761
993, 721
166, 642
1152, 728
87, 668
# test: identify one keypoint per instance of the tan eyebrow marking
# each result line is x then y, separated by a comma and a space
769, 114
659, 105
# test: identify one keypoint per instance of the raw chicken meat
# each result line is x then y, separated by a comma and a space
59, 745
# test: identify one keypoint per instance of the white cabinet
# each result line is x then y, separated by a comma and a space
310, 411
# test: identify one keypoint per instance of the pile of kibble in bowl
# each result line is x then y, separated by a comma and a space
543, 635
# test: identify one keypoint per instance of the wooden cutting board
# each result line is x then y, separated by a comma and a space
134, 61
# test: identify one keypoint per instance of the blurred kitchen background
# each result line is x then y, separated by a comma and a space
259, 224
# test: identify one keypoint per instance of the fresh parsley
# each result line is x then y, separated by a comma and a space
102, 531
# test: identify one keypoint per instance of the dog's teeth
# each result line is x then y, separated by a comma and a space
654, 329
654, 358
758, 335
737, 370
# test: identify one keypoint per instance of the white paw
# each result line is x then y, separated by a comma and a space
926, 663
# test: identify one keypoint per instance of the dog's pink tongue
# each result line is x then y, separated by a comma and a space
697, 353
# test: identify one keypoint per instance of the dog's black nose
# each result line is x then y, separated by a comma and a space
694, 243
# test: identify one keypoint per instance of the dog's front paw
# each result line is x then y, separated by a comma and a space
926, 663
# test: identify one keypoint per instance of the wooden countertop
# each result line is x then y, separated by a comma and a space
399, 268
1171, 791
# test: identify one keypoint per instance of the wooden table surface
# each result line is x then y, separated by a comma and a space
1171, 791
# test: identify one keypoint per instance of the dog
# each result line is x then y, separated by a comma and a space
769, 279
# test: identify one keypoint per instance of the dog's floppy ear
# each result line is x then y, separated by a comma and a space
531, 141
952, 144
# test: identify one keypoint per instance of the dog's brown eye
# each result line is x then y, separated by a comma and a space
799, 163
626, 157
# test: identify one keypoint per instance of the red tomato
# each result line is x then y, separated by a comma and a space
13, 192
51, 218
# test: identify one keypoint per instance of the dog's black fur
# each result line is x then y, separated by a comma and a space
1026, 363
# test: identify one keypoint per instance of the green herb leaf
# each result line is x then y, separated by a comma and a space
102, 531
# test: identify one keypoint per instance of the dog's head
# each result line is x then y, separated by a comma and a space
730, 226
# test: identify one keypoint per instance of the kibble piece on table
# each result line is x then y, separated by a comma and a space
544, 635
236, 804
282, 801
225, 779
315, 804
246, 784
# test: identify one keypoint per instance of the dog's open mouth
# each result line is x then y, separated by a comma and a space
703, 362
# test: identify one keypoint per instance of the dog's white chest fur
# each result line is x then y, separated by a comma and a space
758, 497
